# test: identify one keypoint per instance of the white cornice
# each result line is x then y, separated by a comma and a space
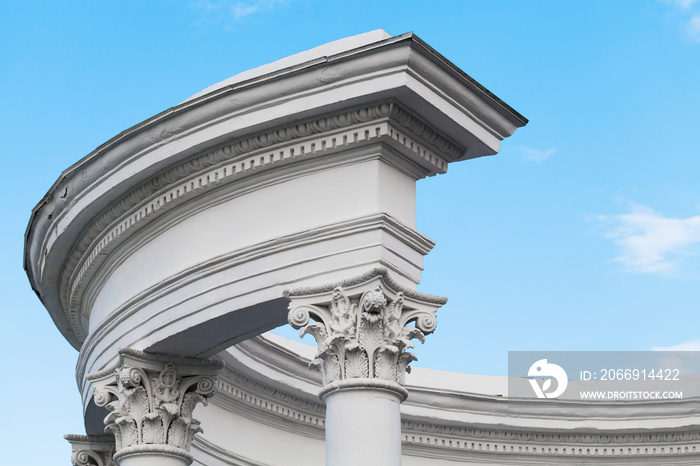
233, 164
270, 392
219, 454
123, 323
267, 381
302, 59
401, 69
230, 164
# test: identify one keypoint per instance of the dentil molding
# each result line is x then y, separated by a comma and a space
436, 434
251, 155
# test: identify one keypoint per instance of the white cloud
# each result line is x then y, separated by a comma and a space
692, 345
241, 10
537, 155
694, 28
683, 4
691, 17
650, 242
212, 12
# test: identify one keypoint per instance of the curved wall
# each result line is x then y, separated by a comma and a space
265, 391
183, 234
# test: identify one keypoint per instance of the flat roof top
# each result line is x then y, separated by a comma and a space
325, 50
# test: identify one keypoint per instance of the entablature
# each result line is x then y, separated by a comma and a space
375, 91
265, 379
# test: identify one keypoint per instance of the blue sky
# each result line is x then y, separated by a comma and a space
582, 234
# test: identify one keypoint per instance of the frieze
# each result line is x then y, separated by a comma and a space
234, 160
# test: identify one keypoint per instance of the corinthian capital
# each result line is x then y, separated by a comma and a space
363, 326
91, 450
150, 399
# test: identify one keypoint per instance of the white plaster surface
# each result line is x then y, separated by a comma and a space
363, 427
460, 427
331, 48
419, 377
256, 439
88, 235
152, 459
299, 204
308, 223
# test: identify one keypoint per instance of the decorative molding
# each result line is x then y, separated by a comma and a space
542, 446
361, 326
266, 404
221, 455
238, 159
464, 439
150, 399
253, 391
364, 383
417, 128
248, 391
419, 242
154, 449
436, 438
91, 450
547, 438
360, 279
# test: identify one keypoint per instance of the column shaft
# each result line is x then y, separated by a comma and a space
153, 459
363, 327
363, 427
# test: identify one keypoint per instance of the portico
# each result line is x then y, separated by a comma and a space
286, 194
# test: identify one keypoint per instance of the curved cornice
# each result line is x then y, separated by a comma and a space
153, 357
95, 201
242, 158
431, 432
99, 345
221, 455
266, 404
376, 272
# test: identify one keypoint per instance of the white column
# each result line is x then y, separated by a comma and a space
363, 425
151, 398
362, 327
154, 458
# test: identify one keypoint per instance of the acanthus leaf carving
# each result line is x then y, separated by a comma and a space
363, 331
91, 450
150, 398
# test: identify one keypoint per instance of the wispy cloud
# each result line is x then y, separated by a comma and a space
225, 12
693, 28
537, 155
650, 242
692, 345
690, 11
682, 4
